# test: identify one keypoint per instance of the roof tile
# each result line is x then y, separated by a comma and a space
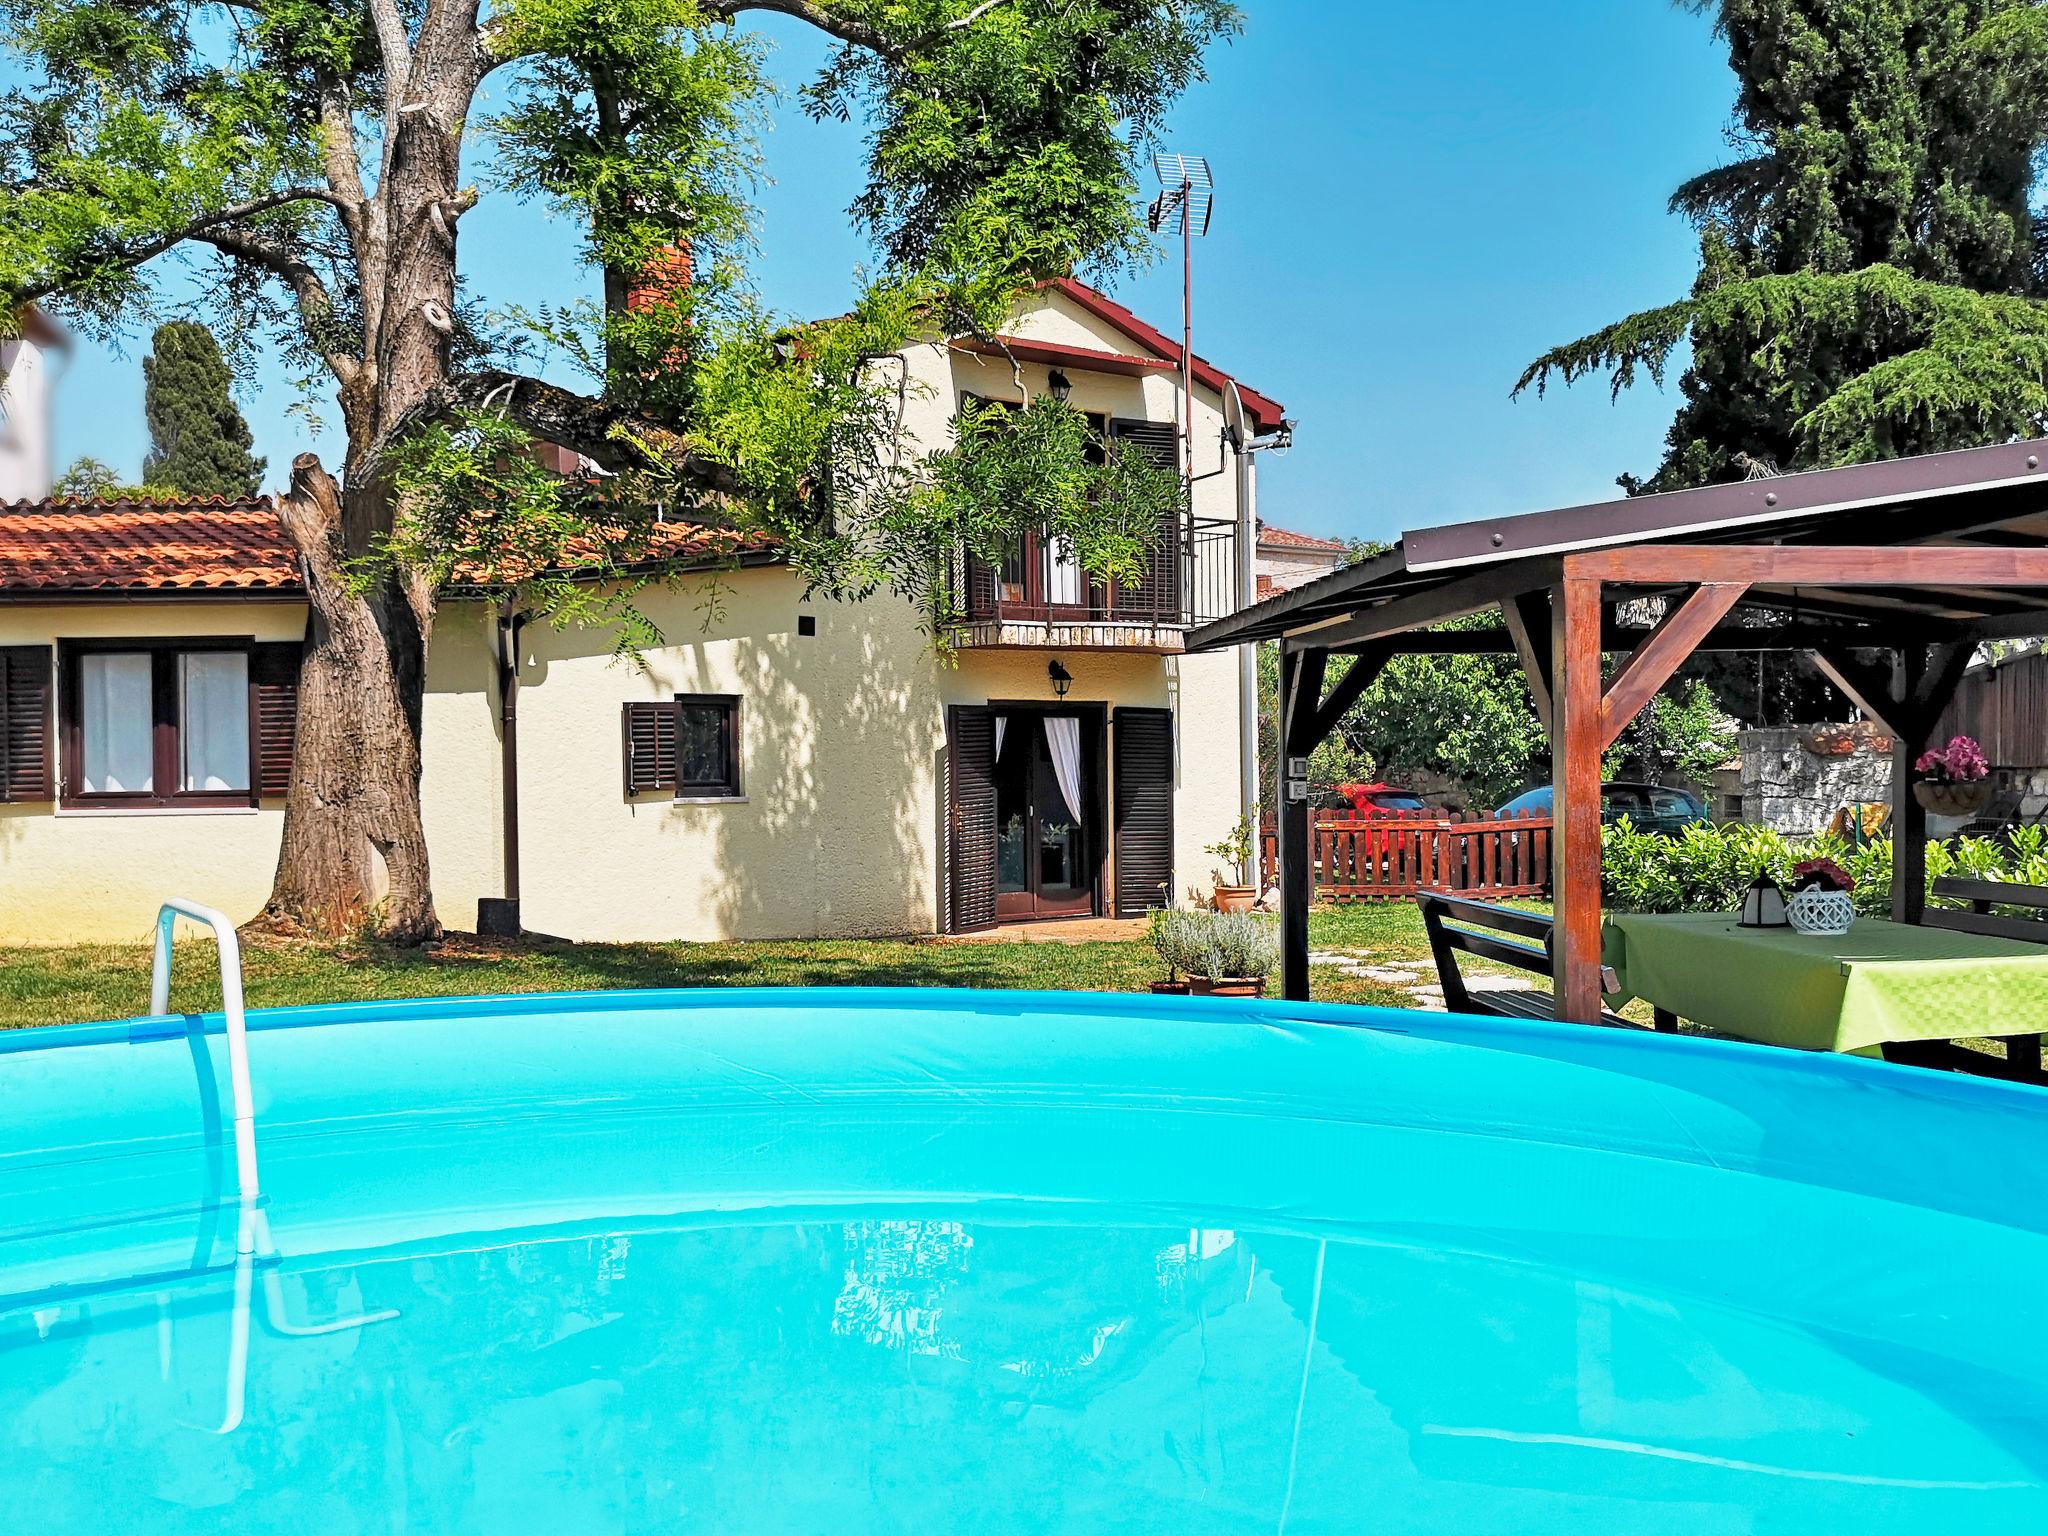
76, 545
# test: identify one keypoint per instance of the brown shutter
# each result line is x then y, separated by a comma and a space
27, 756
650, 747
1159, 596
274, 698
1144, 810
970, 818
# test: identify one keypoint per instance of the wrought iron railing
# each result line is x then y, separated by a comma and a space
1190, 578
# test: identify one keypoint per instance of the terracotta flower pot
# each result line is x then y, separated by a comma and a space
1953, 799
1236, 898
1227, 986
1171, 988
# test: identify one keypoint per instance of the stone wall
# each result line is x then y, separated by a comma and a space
1794, 778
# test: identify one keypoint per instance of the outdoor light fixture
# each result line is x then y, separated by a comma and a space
1763, 904
1060, 385
1062, 679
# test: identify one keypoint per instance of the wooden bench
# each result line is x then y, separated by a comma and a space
1981, 898
1458, 925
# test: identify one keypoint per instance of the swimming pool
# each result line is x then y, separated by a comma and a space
808, 1261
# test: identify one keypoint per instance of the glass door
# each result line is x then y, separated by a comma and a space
1044, 865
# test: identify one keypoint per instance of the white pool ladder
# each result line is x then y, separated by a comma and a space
237, 1028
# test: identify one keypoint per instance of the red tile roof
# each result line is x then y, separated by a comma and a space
73, 545
1287, 538
76, 545
1266, 413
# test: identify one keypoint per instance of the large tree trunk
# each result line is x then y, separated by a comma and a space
354, 854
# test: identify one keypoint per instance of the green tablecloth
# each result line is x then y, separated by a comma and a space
1878, 982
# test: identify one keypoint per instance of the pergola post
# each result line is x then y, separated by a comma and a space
1909, 817
1575, 744
1301, 690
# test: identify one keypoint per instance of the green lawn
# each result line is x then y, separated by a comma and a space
99, 981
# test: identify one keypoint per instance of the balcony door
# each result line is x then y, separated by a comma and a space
1048, 768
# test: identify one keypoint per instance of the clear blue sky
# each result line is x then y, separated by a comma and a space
1413, 202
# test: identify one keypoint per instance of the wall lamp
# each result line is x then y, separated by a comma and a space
1062, 679
1060, 385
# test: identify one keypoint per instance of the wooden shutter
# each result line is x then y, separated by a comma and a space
1144, 810
274, 701
650, 747
1159, 596
970, 818
27, 758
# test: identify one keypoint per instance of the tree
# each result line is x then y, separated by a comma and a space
1871, 269
312, 157
87, 478
198, 442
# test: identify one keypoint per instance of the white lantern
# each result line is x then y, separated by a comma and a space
1763, 904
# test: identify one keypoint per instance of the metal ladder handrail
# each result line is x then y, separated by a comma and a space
237, 1029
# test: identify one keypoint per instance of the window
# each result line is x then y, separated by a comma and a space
174, 723
707, 746
690, 748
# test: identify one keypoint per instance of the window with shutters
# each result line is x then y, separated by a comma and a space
176, 723
1041, 583
688, 747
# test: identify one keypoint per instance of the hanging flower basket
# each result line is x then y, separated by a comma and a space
1820, 912
1954, 781
1953, 799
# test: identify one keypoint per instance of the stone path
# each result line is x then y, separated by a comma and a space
1415, 977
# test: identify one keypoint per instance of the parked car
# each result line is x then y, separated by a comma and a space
1649, 807
1373, 799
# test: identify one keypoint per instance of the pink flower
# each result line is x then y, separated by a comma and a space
1927, 762
1824, 873
1962, 761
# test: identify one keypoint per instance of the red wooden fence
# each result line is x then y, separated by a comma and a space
1388, 857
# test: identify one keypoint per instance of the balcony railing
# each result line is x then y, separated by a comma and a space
1039, 597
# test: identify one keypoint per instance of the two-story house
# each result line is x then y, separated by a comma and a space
775, 767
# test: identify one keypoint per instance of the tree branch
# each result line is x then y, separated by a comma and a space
198, 229
316, 310
611, 436
845, 28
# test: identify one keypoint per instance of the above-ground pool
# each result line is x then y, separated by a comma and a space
985, 1262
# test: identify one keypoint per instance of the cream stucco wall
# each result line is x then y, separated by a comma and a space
76, 876
839, 828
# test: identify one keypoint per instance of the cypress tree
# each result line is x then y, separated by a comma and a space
1871, 278
198, 442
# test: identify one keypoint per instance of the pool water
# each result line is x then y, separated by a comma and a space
934, 1262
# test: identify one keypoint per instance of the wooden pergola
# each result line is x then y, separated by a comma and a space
1886, 576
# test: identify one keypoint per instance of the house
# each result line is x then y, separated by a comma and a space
1287, 559
24, 405
775, 767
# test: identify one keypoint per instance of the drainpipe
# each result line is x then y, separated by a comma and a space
498, 916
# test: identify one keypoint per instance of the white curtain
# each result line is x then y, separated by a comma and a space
1063, 736
213, 715
115, 723
1002, 725
1063, 580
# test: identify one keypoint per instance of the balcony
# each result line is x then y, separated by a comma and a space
1038, 599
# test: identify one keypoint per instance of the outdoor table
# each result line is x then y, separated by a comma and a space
1880, 983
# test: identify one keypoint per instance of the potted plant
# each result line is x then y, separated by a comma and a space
1954, 781
1819, 904
1236, 953
1173, 933
1236, 851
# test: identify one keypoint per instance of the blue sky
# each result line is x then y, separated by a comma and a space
1413, 201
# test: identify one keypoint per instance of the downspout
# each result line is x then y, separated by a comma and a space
1247, 655
498, 916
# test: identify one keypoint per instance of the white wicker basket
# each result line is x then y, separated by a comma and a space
1820, 912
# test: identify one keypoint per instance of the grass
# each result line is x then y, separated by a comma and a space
106, 981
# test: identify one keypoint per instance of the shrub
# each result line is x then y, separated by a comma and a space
1706, 868
1217, 944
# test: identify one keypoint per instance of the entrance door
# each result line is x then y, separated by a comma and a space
1045, 861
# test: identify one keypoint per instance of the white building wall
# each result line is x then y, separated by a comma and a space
24, 421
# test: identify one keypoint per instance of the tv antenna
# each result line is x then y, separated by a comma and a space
1184, 206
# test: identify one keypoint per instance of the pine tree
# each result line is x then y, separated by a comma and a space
1871, 279
198, 442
